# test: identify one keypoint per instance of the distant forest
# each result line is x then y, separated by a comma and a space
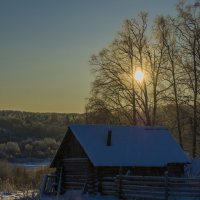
33, 135
38, 135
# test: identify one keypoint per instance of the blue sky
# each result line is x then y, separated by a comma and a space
45, 46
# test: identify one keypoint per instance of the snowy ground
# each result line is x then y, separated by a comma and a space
29, 195
193, 170
76, 195
70, 195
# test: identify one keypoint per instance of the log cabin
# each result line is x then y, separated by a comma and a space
91, 156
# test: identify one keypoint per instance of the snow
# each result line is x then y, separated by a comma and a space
183, 198
131, 145
76, 195
193, 170
32, 164
19, 195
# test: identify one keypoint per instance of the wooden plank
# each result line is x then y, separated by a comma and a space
75, 159
43, 186
59, 184
51, 175
152, 178
126, 191
75, 176
74, 180
184, 185
184, 194
73, 169
186, 190
73, 183
108, 179
143, 196
175, 179
125, 182
108, 187
77, 164
107, 183
72, 188
80, 173
108, 192
134, 187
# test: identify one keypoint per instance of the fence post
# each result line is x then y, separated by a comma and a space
166, 186
59, 183
120, 184
94, 181
43, 186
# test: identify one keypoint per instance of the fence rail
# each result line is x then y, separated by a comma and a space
127, 187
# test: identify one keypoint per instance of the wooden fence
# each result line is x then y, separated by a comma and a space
129, 187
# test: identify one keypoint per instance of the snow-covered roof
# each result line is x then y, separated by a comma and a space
130, 145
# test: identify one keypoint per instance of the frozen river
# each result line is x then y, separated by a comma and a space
32, 164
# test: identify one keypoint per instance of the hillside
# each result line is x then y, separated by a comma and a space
35, 135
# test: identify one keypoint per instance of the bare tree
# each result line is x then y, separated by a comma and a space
134, 42
173, 72
188, 30
115, 66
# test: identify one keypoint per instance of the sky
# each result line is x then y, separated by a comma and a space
45, 47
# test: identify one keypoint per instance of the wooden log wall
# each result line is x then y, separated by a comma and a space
79, 174
75, 173
106, 177
108, 186
92, 184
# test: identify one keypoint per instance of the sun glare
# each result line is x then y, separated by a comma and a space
139, 75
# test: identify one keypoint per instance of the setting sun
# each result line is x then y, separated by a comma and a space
139, 75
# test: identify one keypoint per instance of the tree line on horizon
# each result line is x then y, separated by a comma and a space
168, 53
26, 135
